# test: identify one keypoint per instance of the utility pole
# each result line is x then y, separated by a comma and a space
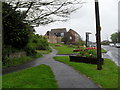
98, 36
0, 31
0, 45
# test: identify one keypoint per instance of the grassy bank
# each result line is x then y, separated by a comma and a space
103, 50
37, 77
107, 77
24, 59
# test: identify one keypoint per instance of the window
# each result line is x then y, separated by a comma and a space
62, 34
70, 37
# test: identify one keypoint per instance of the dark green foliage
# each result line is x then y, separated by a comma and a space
38, 42
16, 33
115, 37
30, 51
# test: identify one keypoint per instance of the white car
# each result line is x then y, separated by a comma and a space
111, 44
117, 45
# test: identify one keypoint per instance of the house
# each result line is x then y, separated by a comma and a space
61, 35
72, 37
55, 35
51, 37
60, 32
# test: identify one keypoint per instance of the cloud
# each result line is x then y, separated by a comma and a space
83, 20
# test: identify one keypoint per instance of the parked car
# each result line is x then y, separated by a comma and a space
111, 44
117, 45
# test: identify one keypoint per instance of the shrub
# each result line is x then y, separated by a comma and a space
30, 51
88, 52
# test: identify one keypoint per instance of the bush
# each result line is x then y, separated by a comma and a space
38, 42
30, 51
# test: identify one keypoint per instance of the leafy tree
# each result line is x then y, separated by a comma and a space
16, 32
114, 37
41, 12
105, 42
38, 42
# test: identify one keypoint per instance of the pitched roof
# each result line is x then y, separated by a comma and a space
59, 30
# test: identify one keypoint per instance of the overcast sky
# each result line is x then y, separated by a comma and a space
83, 20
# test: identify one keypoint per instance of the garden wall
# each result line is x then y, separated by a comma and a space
17, 54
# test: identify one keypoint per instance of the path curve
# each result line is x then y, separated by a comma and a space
66, 76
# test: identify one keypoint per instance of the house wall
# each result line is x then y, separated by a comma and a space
51, 39
71, 37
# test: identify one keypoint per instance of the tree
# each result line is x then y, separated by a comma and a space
105, 42
114, 37
42, 12
16, 32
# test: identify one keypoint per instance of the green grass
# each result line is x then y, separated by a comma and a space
24, 59
107, 77
36, 77
17, 61
20, 60
103, 50
43, 51
64, 49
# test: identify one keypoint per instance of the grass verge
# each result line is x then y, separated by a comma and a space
107, 77
103, 50
37, 77
24, 59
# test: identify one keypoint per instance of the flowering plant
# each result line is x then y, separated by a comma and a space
88, 52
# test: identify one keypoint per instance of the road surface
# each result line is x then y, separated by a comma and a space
113, 53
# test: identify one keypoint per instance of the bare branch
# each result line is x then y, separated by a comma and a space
41, 11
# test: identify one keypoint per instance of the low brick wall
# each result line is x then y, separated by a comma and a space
17, 54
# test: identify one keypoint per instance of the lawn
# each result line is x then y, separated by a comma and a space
36, 77
43, 51
107, 77
66, 49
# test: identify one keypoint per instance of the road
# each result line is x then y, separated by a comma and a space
113, 53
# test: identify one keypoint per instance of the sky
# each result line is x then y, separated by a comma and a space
83, 20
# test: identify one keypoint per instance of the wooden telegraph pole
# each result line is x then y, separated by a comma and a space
1, 44
98, 38
0, 30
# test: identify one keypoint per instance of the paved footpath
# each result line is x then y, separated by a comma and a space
66, 76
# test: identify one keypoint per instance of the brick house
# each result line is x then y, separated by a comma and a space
51, 37
61, 35
55, 35
72, 37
